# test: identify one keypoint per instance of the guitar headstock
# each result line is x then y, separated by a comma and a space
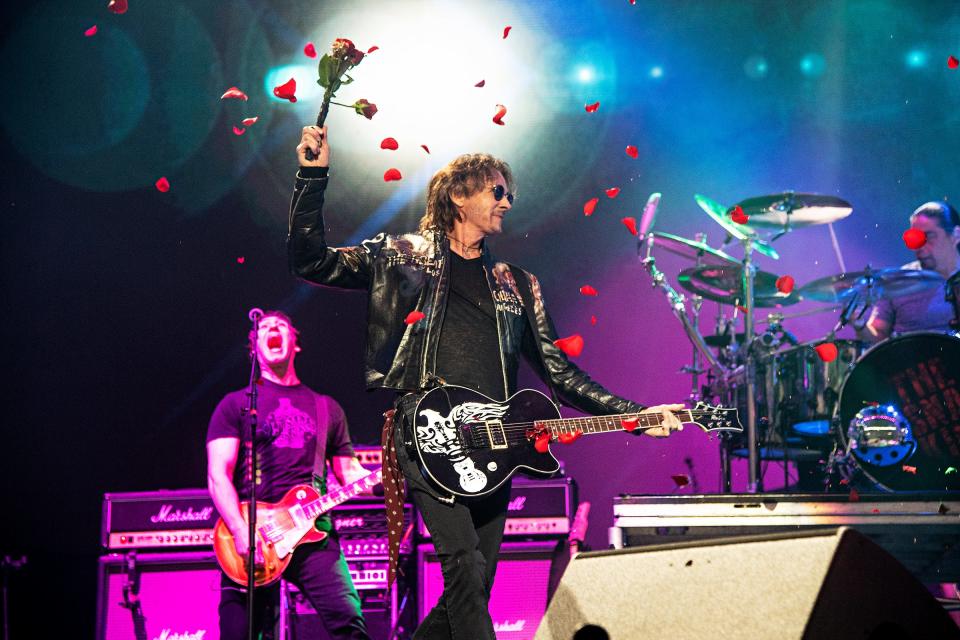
716, 418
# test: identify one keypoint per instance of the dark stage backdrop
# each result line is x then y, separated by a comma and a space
126, 307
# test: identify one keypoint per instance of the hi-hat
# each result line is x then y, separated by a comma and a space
793, 210
739, 231
890, 282
724, 283
692, 249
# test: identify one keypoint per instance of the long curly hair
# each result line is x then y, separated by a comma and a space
462, 177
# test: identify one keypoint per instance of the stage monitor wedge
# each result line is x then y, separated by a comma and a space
834, 583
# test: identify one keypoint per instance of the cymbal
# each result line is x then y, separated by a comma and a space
890, 282
692, 249
739, 231
793, 210
723, 283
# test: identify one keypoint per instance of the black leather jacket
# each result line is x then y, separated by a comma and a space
409, 273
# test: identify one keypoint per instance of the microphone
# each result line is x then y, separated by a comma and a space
255, 314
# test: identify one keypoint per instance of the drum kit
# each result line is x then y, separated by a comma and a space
886, 418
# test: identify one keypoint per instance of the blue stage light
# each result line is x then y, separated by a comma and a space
916, 58
585, 74
656, 72
813, 65
756, 67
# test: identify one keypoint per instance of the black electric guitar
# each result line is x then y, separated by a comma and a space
469, 444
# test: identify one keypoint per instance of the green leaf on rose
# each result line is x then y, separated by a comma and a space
347, 81
327, 71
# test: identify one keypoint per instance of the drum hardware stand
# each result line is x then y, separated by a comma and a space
678, 306
753, 459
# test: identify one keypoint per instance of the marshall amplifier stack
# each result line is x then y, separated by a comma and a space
159, 577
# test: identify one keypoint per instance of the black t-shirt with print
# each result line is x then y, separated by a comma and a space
294, 422
468, 353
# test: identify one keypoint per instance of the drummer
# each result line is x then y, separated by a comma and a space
925, 310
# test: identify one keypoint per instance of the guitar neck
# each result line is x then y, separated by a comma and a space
328, 501
606, 424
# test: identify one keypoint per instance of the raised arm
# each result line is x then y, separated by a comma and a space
308, 254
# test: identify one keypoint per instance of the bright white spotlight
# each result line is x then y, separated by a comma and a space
656, 72
586, 74
422, 79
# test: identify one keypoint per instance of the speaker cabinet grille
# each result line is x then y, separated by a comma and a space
519, 597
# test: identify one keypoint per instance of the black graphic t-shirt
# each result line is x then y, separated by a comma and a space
293, 423
468, 352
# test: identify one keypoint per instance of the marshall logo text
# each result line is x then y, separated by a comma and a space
167, 514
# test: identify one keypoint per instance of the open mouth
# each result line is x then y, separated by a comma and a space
275, 343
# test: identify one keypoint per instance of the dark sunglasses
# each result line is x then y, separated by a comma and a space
499, 191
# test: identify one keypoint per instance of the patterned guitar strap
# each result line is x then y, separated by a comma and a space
393, 494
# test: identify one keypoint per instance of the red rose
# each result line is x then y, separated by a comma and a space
365, 108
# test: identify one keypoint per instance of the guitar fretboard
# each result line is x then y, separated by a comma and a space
606, 424
326, 502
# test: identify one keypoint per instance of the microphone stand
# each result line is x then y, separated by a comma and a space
254, 316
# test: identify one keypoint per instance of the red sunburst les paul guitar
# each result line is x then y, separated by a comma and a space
281, 528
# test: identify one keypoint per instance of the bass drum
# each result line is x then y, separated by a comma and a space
898, 418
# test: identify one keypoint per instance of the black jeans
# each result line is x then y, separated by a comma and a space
466, 535
320, 572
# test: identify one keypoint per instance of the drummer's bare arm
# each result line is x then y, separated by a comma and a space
875, 329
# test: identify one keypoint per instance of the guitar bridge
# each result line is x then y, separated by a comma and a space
496, 434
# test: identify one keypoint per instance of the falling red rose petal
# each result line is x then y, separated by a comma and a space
414, 316
613, 192
506, 32
632, 151
249, 121
631, 224
587, 290
629, 424
590, 206
571, 345
785, 284
854, 495
481, 84
910, 469
92, 31
592, 108
875, 510
391, 175
238, 131
952, 62
738, 216
286, 90
501, 111
542, 443
567, 438
233, 92
240, 259
593, 320
844, 481
681, 479
118, 6
914, 238
389, 143
163, 185
425, 148
372, 49
827, 351
309, 50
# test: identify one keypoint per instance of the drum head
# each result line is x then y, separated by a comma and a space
899, 413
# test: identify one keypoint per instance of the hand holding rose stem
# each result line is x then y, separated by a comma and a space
332, 71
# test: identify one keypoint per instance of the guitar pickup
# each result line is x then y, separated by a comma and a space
496, 434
